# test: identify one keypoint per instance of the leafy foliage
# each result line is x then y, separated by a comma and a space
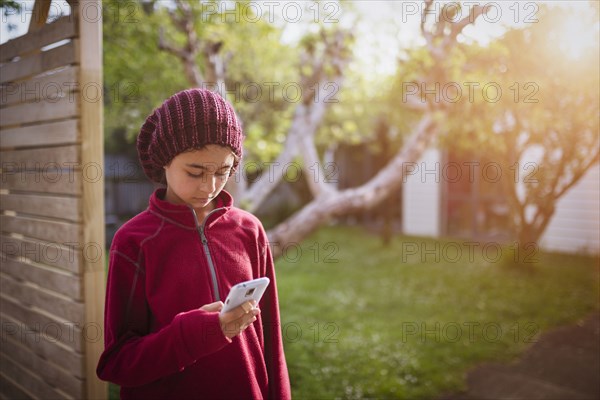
138, 76
546, 104
531, 105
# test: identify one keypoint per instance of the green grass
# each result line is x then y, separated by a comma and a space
407, 321
389, 323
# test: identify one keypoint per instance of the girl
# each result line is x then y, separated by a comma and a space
171, 266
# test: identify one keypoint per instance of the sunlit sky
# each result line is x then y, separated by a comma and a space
393, 26
387, 27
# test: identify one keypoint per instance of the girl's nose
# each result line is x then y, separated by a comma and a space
208, 184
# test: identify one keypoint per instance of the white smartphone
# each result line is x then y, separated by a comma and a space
245, 291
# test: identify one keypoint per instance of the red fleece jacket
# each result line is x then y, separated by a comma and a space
158, 343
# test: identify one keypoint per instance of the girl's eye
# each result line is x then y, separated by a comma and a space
221, 175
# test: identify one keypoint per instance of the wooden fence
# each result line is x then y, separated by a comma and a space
52, 277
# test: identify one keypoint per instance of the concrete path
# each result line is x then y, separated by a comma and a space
563, 364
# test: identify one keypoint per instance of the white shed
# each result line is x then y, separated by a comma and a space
575, 226
426, 211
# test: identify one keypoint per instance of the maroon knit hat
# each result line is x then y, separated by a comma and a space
187, 120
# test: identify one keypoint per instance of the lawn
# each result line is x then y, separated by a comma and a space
407, 321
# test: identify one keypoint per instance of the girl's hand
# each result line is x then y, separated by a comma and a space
237, 320
213, 307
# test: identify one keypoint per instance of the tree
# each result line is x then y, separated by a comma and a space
561, 126
131, 67
544, 132
138, 76
322, 61
202, 44
440, 37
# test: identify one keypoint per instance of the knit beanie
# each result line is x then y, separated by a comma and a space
190, 119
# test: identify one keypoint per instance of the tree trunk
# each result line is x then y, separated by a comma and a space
327, 202
335, 204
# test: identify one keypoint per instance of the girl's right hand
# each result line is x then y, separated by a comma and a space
237, 320
213, 307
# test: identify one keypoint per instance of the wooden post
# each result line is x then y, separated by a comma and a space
39, 15
89, 18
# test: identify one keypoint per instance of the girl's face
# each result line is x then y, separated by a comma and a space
196, 177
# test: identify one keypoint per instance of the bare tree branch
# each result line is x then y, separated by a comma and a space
188, 53
331, 203
328, 65
366, 196
164, 45
307, 118
458, 27
318, 186
255, 195
427, 35
579, 174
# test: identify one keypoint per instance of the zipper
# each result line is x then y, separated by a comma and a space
204, 240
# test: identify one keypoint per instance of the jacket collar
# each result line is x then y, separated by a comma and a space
182, 214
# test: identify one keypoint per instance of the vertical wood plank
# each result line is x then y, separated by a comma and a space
92, 149
39, 15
